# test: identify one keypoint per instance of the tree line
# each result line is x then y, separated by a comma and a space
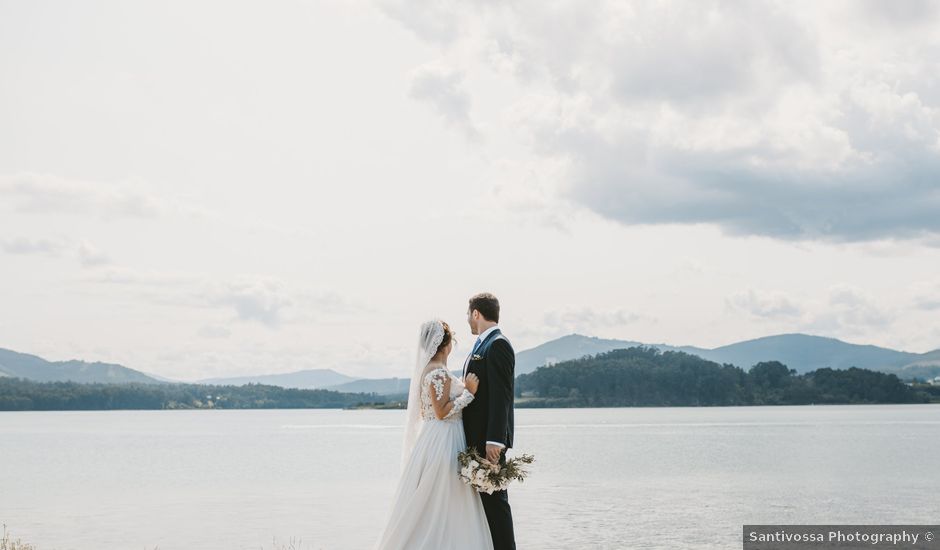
18, 394
646, 376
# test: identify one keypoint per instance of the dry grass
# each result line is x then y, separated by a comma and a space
290, 545
6, 543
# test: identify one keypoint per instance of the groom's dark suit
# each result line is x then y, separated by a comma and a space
489, 418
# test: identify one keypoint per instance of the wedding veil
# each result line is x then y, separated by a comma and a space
430, 337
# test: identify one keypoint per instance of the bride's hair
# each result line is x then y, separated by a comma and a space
448, 336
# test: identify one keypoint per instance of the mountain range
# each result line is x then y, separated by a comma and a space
310, 379
801, 352
37, 369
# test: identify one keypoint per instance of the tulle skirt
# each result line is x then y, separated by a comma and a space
432, 509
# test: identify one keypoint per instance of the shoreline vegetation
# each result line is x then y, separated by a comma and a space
8, 543
634, 377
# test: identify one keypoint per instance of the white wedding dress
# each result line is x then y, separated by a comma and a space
433, 509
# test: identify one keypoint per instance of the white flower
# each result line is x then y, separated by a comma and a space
485, 477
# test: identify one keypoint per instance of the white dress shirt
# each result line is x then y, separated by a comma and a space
482, 337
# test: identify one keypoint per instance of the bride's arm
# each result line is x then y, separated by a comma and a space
461, 401
440, 396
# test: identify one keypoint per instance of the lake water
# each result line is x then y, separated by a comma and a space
604, 478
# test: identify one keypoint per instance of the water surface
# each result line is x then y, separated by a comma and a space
604, 478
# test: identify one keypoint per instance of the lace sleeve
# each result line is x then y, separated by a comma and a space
436, 379
460, 402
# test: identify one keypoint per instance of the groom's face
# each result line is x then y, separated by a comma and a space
472, 316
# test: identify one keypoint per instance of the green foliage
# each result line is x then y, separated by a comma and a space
645, 376
17, 394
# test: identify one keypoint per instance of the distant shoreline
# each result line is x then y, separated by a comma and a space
518, 405
629, 378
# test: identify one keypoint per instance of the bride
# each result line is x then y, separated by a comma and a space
433, 509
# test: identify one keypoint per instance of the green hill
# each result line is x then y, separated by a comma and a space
645, 376
801, 352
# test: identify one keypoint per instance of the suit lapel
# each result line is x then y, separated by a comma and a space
466, 364
480, 350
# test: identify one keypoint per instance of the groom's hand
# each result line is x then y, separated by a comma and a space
493, 452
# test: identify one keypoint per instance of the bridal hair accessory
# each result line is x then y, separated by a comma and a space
486, 477
432, 334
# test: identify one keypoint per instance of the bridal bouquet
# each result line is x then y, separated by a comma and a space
486, 477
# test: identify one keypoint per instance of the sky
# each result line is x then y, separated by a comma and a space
200, 189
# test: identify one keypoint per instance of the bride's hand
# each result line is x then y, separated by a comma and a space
472, 383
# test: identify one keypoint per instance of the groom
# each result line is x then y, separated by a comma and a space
487, 420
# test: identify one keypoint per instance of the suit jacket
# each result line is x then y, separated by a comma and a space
489, 417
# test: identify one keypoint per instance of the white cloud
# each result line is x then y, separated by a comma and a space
929, 303
855, 309
45, 193
765, 304
90, 256
925, 295
39, 193
844, 310
587, 320
442, 88
266, 300
42, 246
84, 251
907, 13
433, 20
123, 275
800, 120
765, 118
262, 301
214, 331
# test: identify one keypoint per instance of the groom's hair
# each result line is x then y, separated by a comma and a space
487, 305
